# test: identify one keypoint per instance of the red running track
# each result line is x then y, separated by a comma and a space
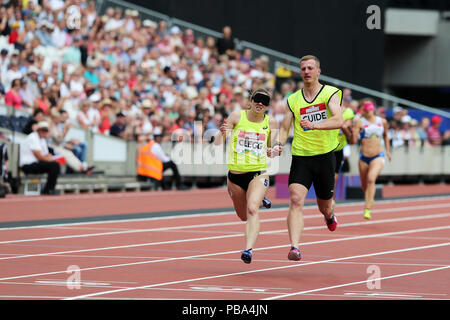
402, 253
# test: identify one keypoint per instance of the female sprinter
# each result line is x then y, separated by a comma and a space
372, 131
248, 180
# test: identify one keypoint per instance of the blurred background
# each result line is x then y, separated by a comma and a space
112, 76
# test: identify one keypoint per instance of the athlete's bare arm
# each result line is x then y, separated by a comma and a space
357, 125
283, 132
335, 122
285, 125
273, 135
386, 139
227, 125
347, 129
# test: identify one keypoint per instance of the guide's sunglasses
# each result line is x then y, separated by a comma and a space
262, 98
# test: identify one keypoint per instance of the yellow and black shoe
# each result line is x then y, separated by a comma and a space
367, 214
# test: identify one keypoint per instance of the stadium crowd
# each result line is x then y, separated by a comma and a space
119, 75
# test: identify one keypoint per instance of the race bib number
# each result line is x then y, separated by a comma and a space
316, 113
250, 142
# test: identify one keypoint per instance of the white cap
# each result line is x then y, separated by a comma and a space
149, 23
397, 109
406, 119
95, 97
175, 30
33, 69
42, 125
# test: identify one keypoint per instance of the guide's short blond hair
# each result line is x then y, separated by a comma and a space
310, 57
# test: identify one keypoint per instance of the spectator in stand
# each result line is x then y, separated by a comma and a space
105, 116
422, 131
147, 110
4, 62
405, 131
86, 119
35, 157
119, 126
26, 95
32, 81
59, 34
225, 45
433, 132
77, 86
215, 122
78, 147
44, 33
415, 140
90, 75
5, 29
42, 101
446, 138
14, 35
58, 144
247, 56
38, 116
381, 112
12, 73
12, 97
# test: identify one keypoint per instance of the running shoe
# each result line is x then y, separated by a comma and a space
246, 256
332, 223
266, 203
294, 254
367, 214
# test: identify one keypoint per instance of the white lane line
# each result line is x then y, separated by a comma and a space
228, 212
349, 213
232, 252
356, 283
435, 216
268, 269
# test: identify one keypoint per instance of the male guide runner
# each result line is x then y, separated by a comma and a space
316, 114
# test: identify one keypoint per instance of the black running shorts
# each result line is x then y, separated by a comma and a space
318, 170
339, 160
243, 179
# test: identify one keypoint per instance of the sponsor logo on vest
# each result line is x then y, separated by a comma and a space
316, 113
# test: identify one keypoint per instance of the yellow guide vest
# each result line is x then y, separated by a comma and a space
248, 145
147, 163
313, 142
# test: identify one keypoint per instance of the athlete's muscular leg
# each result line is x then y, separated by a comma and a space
238, 195
297, 197
375, 167
363, 170
326, 207
255, 194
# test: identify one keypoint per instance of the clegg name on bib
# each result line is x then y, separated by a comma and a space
250, 142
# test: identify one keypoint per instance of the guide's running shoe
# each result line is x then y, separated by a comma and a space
266, 203
294, 254
246, 256
367, 214
332, 223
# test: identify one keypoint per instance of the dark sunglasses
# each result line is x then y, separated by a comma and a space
262, 98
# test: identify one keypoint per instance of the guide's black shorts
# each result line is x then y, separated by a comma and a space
318, 170
339, 160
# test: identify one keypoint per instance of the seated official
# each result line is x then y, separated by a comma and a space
36, 158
